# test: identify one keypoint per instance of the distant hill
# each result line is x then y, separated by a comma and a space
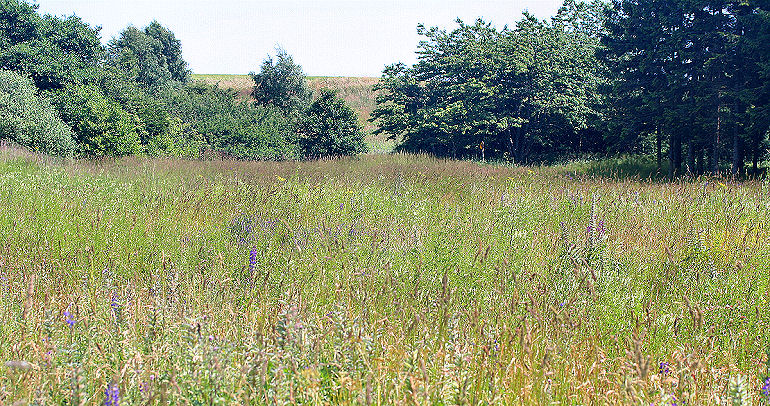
356, 91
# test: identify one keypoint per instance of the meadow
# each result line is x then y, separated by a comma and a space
382, 279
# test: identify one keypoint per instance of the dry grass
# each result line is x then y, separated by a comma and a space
380, 280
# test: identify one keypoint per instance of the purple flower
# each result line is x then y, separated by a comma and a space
766, 389
664, 368
114, 304
253, 260
673, 401
69, 319
112, 395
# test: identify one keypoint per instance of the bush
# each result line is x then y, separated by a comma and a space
234, 128
179, 139
259, 134
330, 128
102, 127
29, 120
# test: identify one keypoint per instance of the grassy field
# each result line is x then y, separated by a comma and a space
387, 279
356, 91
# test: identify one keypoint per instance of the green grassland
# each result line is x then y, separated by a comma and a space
384, 279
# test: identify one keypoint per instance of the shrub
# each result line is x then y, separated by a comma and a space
234, 128
179, 139
259, 134
330, 128
29, 120
102, 127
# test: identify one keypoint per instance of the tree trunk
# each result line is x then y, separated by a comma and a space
517, 147
701, 164
715, 145
755, 158
510, 144
675, 156
690, 157
659, 149
737, 165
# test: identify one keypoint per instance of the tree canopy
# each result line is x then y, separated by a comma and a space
152, 56
524, 93
689, 77
281, 83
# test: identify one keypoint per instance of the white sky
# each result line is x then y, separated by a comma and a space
326, 37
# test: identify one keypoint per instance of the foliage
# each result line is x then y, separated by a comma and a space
522, 93
690, 72
153, 56
330, 128
230, 126
29, 120
101, 125
171, 50
53, 51
281, 84
178, 139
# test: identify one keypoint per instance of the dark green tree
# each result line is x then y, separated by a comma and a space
687, 70
151, 57
53, 51
529, 93
281, 83
171, 49
330, 128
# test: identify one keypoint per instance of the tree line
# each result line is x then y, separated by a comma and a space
689, 78
63, 92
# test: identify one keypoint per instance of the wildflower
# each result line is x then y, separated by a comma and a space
765, 390
664, 368
672, 401
280, 178
112, 395
723, 185
69, 319
114, 303
253, 260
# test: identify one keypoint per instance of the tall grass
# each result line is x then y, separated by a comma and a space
380, 280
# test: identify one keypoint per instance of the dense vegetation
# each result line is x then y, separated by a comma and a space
27, 119
134, 96
633, 76
401, 279
380, 280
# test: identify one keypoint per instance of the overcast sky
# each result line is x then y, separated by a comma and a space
326, 37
